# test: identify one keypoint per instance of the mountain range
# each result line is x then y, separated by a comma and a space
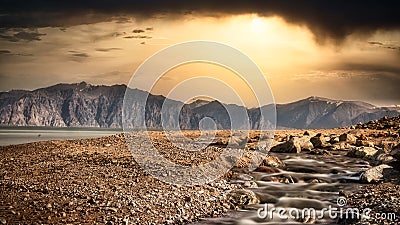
85, 105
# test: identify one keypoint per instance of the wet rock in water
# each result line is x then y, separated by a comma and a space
272, 161
396, 152
219, 143
290, 146
318, 141
381, 157
240, 197
241, 176
349, 138
250, 184
374, 174
266, 169
319, 152
362, 152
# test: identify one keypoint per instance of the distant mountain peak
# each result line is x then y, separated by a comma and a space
86, 105
317, 98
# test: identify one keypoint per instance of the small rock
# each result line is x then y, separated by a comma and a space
272, 161
250, 184
107, 145
266, 169
49, 206
349, 138
3, 220
112, 209
341, 146
334, 140
241, 176
241, 197
364, 143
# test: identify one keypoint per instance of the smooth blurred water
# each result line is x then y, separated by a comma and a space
336, 172
20, 135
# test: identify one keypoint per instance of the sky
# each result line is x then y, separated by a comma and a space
334, 49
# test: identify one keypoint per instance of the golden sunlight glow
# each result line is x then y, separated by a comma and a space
257, 25
286, 53
198, 79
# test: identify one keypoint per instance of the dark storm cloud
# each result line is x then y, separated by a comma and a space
78, 54
138, 31
333, 18
383, 45
9, 53
107, 49
138, 37
375, 43
5, 52
21, 36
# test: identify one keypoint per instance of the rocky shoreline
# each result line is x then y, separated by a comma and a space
97, 181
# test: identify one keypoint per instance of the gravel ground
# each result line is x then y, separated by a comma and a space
96, 181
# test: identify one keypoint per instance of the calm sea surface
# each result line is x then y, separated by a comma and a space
19, 135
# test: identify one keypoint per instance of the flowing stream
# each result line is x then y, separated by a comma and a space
308, 181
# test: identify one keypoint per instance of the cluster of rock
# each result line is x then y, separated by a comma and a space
317, 144
386, 122
380, 147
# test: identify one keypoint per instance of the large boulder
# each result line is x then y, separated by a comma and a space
374, 174
318, 141
305, 143
362, 152
290, 146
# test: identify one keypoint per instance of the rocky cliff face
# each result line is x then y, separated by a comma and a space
84, 105
63, 105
